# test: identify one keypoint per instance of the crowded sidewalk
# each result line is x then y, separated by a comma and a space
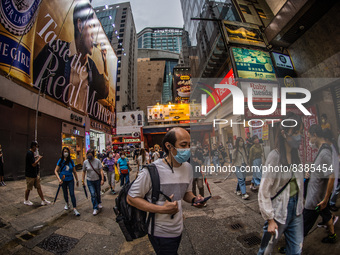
228, 225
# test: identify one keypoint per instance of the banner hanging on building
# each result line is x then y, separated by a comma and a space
60, 48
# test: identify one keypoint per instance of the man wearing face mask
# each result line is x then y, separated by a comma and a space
320, 186
176, 177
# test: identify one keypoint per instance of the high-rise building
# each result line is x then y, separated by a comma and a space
155, 75
162, 38
118, 23
191, 9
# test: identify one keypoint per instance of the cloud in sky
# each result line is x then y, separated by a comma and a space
151, 13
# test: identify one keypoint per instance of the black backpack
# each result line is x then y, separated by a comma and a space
132, 221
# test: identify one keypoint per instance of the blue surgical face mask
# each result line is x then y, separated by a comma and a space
294, 141
182, 156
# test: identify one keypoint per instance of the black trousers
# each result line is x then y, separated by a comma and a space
165, 245
310, 217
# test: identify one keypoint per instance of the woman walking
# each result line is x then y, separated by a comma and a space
239, 159
142, 159
255, 161
281, 192
123, 169
93, 169
65, 170
110, 163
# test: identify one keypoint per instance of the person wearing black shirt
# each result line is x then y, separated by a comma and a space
32, 175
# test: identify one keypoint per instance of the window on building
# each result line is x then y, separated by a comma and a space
122, 21
121, 35
121, 30
124, 13
118, 80
123, 17
118, 72
120, 40
117, 98
122, 25
261, 13
119, 64
119, 52
245, 9
124, 9
120, 46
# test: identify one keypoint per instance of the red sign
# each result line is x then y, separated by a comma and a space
309, 154
220, 94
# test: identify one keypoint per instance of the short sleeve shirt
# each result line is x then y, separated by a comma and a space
66, 169
123, 163
317, 185
30, 171
91, 175
110, 162
177, 183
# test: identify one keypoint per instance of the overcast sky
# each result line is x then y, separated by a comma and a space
151, 13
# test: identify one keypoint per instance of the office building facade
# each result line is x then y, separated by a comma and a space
118, 23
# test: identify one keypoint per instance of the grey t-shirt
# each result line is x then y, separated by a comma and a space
318, 182
90, 174
178, 183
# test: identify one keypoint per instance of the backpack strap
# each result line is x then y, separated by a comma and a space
156, 186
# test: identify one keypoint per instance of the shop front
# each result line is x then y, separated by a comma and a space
73, 137
98, 135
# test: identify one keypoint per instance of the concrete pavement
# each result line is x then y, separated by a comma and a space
228, 225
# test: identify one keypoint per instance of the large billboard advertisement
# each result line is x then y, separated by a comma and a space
129, 122
253, 64
60, 48
170, 112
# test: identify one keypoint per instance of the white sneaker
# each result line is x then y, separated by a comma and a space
100, 206
45, 202
66, 207
238, 193
27, 202
76, 213
95, 212
245, 196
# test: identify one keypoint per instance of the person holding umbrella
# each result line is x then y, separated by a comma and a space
65, 170
93, 169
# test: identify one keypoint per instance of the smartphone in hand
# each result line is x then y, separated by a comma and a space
202, 201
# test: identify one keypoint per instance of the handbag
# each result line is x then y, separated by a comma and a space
100, 176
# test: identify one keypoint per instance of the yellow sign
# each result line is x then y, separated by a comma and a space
243, 33
171, 112
265, 132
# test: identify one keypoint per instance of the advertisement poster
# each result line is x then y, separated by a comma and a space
253, 64
60, 48
182, 84
242, 33
170, 112
309, 153
129, 122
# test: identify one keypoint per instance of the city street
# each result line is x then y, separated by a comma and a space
228, 225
